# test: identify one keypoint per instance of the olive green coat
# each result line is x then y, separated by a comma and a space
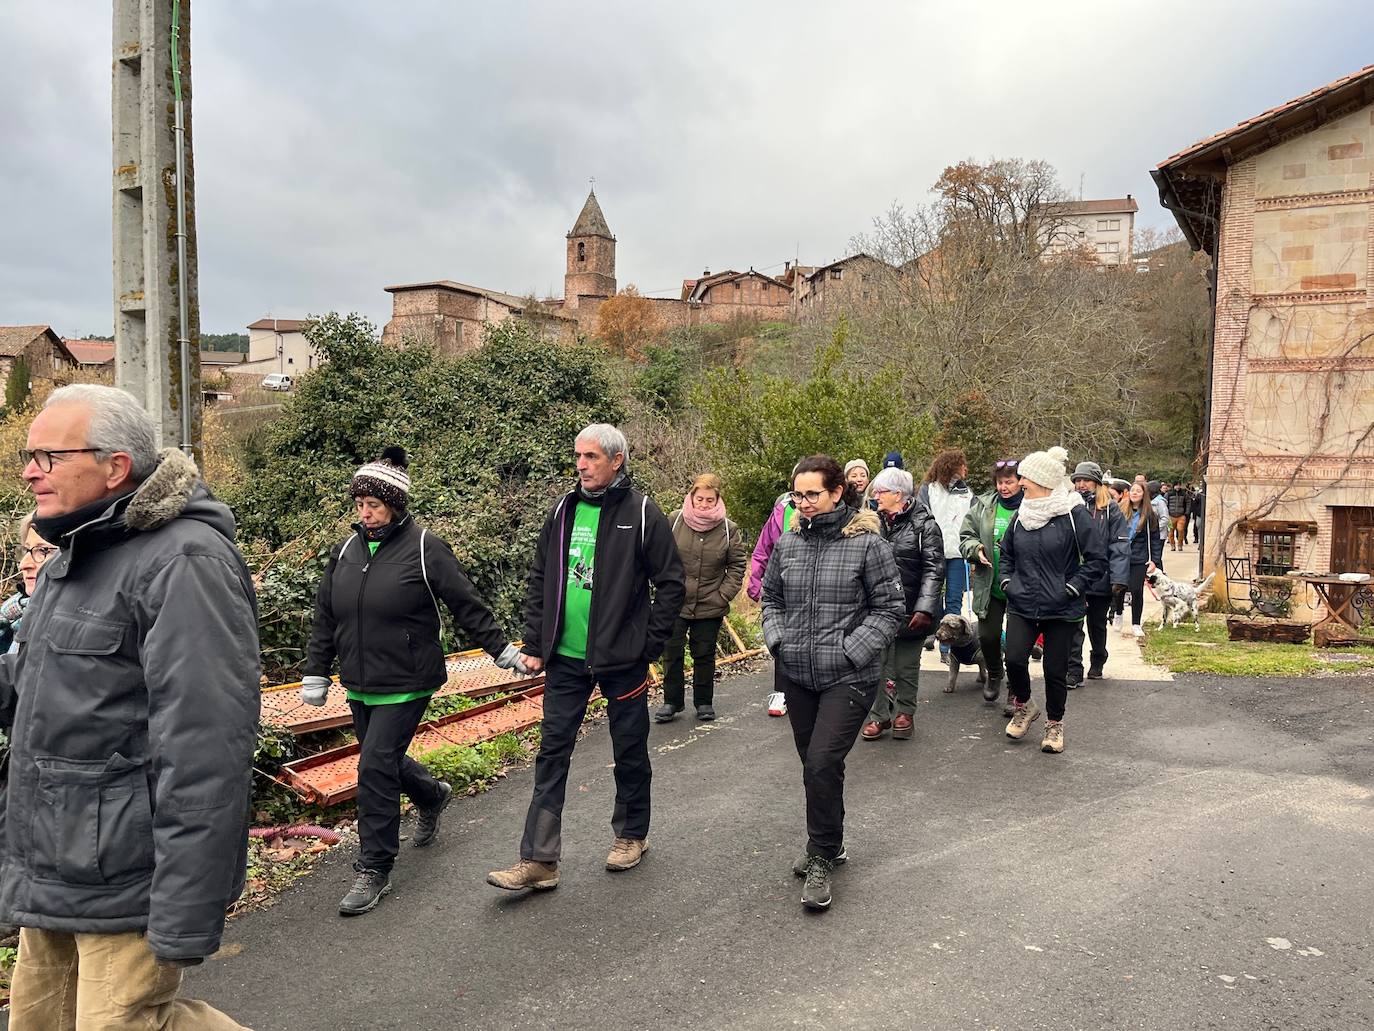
715, 563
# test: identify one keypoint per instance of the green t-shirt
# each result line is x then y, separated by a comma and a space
385, 699
1001, 519
789, 516
577, 604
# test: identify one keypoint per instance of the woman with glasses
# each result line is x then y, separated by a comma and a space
832, 602
34, 551
919, 551
980, 534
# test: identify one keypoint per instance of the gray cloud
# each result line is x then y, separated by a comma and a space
343, 147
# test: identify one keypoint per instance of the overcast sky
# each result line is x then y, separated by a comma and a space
341, 147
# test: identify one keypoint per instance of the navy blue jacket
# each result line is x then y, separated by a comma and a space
1110, 526
1047, 572
1147, 546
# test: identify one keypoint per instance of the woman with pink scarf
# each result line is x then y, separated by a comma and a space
715, 558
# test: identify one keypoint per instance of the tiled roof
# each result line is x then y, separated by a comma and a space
14, 339
91, 352
1095, 207
281, 325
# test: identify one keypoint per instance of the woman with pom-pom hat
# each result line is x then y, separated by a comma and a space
1050, 557
377, 612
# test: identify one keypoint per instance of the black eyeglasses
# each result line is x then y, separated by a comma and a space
809, 496
40, 553
42, 457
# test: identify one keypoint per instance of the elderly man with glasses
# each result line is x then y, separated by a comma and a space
133, 702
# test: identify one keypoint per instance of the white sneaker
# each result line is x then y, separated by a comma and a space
1138, 632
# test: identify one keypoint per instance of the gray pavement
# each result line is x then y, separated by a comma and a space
1200, 857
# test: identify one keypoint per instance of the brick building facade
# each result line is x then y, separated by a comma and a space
1284, 204
41, 348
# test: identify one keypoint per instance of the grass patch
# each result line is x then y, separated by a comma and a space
1183, 650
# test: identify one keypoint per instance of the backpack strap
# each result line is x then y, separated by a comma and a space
1076, 545
424, 573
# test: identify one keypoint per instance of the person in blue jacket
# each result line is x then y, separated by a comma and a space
1110, 528
1145, 548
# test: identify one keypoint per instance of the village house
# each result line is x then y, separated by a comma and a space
856, 278
43, 351
1284, 205
274, 345
92, 355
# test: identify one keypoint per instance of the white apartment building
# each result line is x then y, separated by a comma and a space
278, 345
1104, 228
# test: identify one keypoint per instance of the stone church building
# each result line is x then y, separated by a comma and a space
453, 315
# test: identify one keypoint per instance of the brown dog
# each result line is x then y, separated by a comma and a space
961, 635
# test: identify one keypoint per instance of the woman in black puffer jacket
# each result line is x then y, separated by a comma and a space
918, 547
1050, 559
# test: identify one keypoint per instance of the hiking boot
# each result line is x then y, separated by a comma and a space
706, 713
873, 730
1094, 672
799, 867
992, 689
930, 644
427, 821
816, 890
1054, 737
666, 713
368, 888
525, 874
1074, 685
626, 853
1037, 653
902, 727
1023, 715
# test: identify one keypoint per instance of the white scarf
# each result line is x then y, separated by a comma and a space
1036, 512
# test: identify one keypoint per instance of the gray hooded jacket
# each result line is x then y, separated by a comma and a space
134, 702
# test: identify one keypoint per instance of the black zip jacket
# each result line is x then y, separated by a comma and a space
375, 614
919, 549
1110, 527
628, 625
1147, 545
1046, 572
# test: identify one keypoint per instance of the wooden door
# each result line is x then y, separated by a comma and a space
1352, 540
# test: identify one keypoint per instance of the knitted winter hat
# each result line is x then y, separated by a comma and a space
1088, 471
385, 479
1044, 467
856, 463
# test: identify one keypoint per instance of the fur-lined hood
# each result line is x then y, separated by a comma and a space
164, 495
863, 520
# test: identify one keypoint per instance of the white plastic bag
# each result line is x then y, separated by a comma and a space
777, 704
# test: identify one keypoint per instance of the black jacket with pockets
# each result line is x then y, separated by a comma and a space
1046, 572
376, 614
918, 546
634, 548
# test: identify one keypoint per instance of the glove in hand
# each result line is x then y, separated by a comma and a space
315, 690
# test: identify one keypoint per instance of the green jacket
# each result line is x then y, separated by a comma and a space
975, 533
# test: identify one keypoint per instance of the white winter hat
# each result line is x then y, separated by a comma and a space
1044, 467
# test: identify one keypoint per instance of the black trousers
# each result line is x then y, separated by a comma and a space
700, 636
825, 725
1135, 583
1096, 624
567, 689
990, 636
384, 771
1054, 663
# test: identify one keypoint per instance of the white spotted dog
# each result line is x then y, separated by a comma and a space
1180, 600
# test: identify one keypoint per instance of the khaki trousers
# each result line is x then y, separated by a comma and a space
100, 982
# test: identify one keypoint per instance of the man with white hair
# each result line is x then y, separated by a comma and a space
132, 706
592, 620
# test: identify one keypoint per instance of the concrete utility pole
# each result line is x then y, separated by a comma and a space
156, 300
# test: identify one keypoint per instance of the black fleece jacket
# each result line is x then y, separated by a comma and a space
629, 623
377, 616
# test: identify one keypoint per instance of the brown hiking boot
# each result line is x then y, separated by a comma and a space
626, 853
1021, 719
1054, 737
902, 727
873, 730
526, 874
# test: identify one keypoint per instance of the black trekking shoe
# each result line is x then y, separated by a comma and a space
816, 890
706, 713
1094, 672
1037, 653
367, 891
991, 689
666, 713
930, 644
799, 867
427, 821
1074, 685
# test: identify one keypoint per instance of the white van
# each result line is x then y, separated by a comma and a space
276, 381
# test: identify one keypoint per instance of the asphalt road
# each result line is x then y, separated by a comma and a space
1202, 856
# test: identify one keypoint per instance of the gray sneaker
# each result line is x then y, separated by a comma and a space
427, 821
368, 888
799, 867
816, 890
